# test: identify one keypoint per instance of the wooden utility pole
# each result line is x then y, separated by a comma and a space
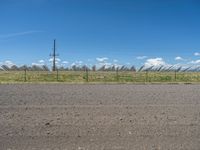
54, 56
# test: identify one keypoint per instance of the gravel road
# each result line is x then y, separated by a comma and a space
99, 117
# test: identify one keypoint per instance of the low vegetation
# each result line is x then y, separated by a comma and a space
98, 76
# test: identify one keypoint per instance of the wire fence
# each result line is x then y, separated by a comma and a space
98, 76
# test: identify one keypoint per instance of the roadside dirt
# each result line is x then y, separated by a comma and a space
99, 117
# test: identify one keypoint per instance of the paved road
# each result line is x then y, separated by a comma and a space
99, 117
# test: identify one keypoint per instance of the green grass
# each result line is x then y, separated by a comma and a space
99, 77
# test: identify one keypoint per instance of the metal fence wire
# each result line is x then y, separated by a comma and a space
98, 76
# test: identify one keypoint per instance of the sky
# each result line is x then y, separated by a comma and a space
121, 32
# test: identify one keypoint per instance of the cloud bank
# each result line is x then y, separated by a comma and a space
155, 62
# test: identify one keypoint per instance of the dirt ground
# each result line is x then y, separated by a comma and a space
99, 117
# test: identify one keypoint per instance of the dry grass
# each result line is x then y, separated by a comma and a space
98, 77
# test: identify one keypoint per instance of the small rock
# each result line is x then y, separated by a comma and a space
47, 124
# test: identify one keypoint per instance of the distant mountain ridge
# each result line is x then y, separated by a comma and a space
160, 68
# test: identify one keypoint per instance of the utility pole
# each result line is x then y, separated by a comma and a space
54, 56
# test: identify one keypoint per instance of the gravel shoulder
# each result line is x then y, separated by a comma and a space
99, 117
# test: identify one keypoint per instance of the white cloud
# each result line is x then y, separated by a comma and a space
65, 62
37, 64
41, 61
178, 58
102, 59
106, 64
117, 65
154, 62
195, 61
73, 64
196, 54
77, 63
141, 57
57, 59
8, 63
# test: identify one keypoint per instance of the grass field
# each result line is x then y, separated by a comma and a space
98, 77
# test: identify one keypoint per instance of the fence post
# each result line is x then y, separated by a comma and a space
117, 74
25, 75
175, 75
57, 74
147, 76
134, 75
87, 78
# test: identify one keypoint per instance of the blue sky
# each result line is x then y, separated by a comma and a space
89, 32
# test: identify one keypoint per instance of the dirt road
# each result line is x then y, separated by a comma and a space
99, 117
